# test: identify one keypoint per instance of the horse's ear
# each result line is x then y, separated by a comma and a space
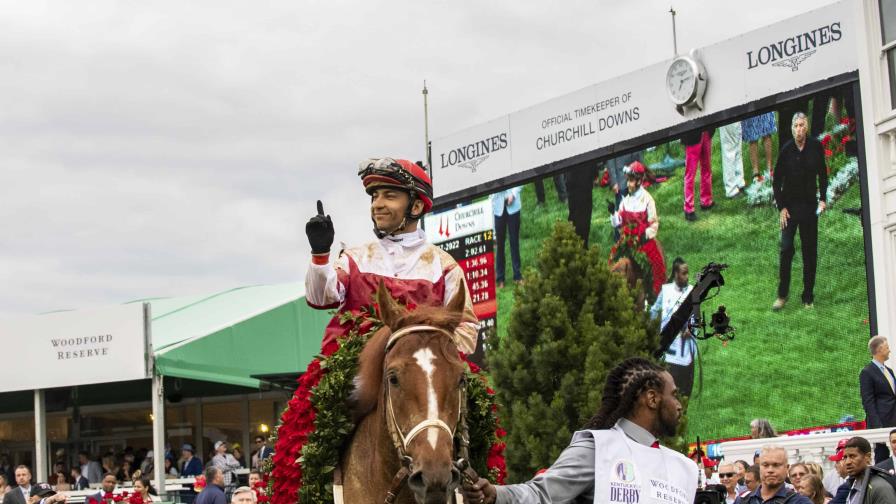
390, 310
458, 303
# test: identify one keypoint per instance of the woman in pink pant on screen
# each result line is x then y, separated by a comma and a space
698, 149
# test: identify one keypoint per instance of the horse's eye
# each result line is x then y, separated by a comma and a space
393, 380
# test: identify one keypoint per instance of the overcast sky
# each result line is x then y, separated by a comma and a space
170, 148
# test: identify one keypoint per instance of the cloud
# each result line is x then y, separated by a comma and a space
171, 148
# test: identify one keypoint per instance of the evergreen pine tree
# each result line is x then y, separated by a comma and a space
572, 322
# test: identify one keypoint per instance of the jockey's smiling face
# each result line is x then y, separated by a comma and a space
388, 207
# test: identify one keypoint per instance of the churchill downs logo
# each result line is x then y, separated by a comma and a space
792, 51
472, 155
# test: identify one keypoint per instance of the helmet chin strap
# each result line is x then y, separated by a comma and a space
380, 234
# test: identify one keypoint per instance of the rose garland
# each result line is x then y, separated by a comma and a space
631, 244
333, 426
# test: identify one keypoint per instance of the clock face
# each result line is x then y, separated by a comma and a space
681, 81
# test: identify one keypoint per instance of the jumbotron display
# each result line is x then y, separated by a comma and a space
799, 332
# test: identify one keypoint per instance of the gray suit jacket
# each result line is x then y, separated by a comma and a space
14, 496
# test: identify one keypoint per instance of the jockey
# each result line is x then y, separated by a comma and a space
637, 212
414, 271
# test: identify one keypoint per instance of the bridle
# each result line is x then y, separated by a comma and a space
401, 440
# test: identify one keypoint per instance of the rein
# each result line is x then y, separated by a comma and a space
401, 440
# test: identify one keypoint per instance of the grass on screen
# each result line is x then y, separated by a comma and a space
797, 367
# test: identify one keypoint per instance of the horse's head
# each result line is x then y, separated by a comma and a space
411, 373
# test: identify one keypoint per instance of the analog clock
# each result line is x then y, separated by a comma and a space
686, 82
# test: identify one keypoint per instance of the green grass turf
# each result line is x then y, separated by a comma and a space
798, 367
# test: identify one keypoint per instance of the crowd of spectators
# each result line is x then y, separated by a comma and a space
770, 478
134, 468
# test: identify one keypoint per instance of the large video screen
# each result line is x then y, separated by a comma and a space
794, 362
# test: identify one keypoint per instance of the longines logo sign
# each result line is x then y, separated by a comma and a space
792, 51
472, 155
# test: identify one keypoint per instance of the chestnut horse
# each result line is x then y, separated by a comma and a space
632, 274
408, 398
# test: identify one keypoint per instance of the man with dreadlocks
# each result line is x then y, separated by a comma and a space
415, 273
617, 458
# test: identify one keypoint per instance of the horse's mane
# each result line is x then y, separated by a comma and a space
370, 363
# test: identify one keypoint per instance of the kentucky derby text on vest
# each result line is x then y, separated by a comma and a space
474, 150
794, 45
81, 353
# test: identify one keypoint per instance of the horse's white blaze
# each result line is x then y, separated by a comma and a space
425, 360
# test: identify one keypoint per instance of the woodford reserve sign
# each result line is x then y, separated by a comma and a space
74, 348
594, 121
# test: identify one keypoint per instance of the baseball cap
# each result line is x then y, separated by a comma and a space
42, 490
837, 457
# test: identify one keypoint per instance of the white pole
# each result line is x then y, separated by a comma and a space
158, 405
40, 436
674, 35
426, 153
158, 431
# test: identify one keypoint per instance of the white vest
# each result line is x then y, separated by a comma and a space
680, 352
626, 472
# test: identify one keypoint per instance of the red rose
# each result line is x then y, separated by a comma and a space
828, 153
826, 140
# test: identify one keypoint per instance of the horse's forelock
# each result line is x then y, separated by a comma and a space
370, 374
430, 315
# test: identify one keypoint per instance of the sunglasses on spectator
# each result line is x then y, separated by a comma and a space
726, 475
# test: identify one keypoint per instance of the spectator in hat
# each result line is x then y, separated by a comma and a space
708, 466
889, 464
709, 469
43, 493
835, 479
190, 465
225, 462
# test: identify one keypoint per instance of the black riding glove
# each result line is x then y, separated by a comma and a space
611, 207
320, 231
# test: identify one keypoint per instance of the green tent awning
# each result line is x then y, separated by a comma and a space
229, 336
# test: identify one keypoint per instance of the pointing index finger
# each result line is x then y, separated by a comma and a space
320, 208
